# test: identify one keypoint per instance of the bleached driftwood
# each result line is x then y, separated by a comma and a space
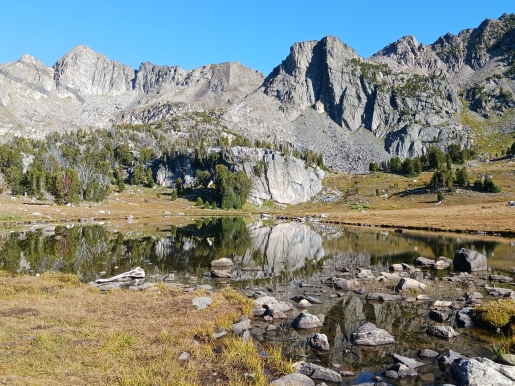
136, 273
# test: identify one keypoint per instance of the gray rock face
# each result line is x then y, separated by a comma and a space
369, 335
466, 260
507, 371
294, 379
474, 373
317, 372
331, 77
91, 73
306, 320
285, 180
442, 331
412, 140
507, 359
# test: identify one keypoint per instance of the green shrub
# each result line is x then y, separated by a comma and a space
174, 194
490, 187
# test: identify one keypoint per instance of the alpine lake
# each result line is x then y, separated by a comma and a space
285, 259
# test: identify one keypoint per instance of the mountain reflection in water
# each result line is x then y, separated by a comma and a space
260, 250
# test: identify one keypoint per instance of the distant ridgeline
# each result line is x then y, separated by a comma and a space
87, 166
401, 101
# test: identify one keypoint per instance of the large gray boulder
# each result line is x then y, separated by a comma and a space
466, 260
507, 371
471, 372
370, 335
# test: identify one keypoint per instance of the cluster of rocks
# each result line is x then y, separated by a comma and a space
448, 314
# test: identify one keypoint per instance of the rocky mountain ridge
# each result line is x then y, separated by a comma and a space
323, 96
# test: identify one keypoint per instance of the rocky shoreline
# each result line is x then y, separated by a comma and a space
407, 284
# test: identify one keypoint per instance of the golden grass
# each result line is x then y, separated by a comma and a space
56, 331
465, 210
496, 313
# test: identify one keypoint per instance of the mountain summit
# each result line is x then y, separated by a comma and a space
323, 96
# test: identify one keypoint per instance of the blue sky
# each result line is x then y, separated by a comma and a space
255, 33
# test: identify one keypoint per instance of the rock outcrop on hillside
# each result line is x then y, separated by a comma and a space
276, 177
323, 96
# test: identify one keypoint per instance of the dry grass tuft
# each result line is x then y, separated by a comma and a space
496, 313
57, 331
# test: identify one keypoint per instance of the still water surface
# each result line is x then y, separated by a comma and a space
276, 257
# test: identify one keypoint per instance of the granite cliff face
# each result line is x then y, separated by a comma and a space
323, 96
278, 178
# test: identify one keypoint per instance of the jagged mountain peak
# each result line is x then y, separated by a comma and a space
85, 70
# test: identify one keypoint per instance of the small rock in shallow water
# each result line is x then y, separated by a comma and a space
409, 284
439, 316
221, 274
403, 371
317, 372
442, 303
306, 320
223, 262
384, 297
500, 278
427, 353
412, 363
369, 335
446, 332
448, 357
424, 262
319, 342
304, 304
463, 317
473, 372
